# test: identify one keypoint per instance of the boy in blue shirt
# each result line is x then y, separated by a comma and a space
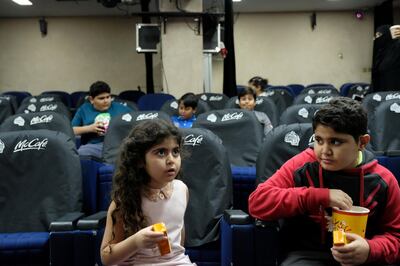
92, 118
187, 109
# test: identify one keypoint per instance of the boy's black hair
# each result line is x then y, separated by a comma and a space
98, 87
344, 115
189, 100
247, 91
259, 82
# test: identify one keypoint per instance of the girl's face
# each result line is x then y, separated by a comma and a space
163, 162
247, 102
337, 151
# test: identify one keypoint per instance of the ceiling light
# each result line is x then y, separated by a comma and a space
236, 0
23, 2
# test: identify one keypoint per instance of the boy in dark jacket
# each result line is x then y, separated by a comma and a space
336, 172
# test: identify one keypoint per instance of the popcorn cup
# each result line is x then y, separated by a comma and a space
348, 221
164, 245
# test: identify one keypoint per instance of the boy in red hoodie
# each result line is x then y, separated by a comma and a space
336, 172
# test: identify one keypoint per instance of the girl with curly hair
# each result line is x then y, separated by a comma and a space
146, 192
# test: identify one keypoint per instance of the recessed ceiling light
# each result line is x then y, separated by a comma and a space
23, 2
236, 0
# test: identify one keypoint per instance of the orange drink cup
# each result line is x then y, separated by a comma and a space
163, 245
349, 221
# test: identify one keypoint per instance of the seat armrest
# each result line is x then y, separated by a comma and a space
264, 224
93, 222
66, 222
237, 217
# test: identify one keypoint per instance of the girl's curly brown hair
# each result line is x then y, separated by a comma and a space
130, 176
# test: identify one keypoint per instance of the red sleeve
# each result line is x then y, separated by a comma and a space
385, 247
278, 197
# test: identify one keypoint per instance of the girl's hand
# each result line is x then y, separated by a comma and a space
337, 198
354, 253
147, 238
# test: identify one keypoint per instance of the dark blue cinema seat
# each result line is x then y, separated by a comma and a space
283, 142
299, 113
6, 109
242, 135
171, 107
206, 171
43, 103
296, 88
313, 98
40, 182
280, 87
215, 101
40, 120
131, 95
153, 101
371, 101
358, 91
320, 90
319, 85
64, 96
281, 98
20, 95
12, 100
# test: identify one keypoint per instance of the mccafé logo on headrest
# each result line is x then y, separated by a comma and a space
392, 96
47, 99
147, 116
324, 99
41, 119
232, 116
49, 107
215, 98
34, 144
192, 140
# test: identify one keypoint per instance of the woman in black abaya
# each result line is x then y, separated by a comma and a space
385, 61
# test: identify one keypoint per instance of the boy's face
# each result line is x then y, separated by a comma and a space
186, 112
101, 102
247, 102
337, 151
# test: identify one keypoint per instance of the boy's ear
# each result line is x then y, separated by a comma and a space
363, 141
90, 98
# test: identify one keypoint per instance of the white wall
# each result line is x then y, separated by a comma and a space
279, 46
75, 53
283, 48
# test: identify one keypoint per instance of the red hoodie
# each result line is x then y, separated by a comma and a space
299, 192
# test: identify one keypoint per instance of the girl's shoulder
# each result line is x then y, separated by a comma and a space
179, 183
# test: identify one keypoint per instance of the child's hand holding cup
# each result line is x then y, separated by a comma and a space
395, 31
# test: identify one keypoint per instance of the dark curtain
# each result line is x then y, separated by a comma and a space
148, 57
383, 14
229, 62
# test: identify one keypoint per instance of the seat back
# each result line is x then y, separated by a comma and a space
215, 101
119, 128
319, 85
20, 95
305, 98
286, 88
283, 142
358, 91
154, 101
41, 120
296, 88
64, 96
210, 185
13, 101
240, 131
171, 107
76, 96
43, 105
281, 98
131, 95
373, 100
320, 90
299, 113
6, 109
384, 127
40, 179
